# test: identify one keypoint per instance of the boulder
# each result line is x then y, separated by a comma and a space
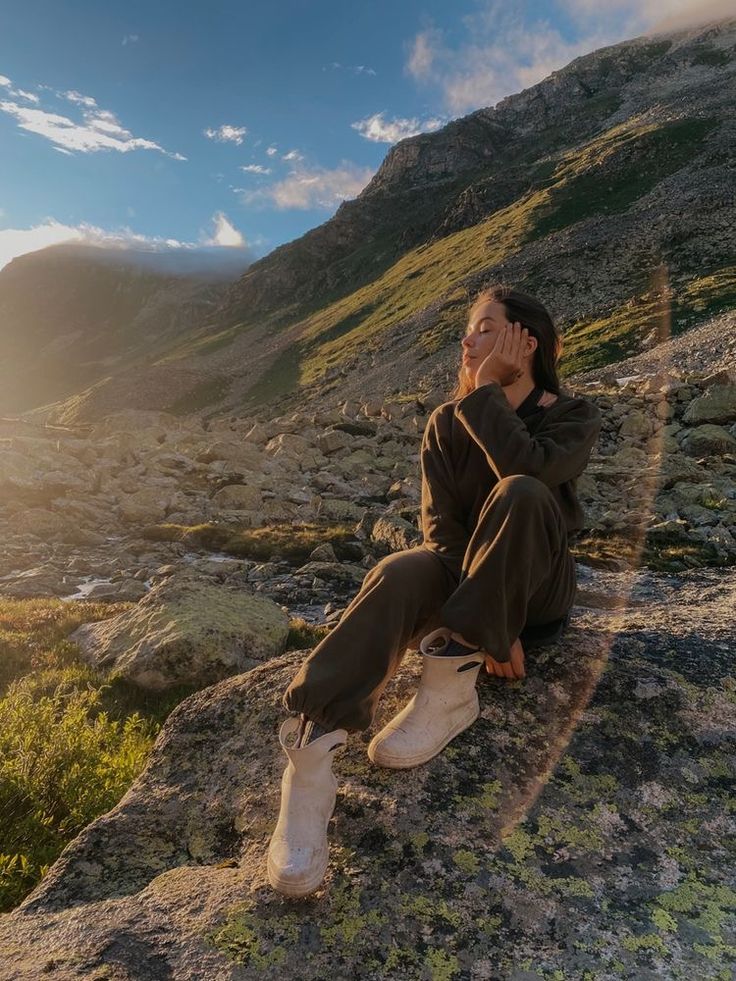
708, 440
186, 630
147, 505
718, 404
239, 497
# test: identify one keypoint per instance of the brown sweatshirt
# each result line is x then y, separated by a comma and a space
469, 444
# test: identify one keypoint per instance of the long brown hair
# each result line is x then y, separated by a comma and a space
536, 318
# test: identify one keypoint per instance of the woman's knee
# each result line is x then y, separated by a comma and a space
400, 566
521, 485
414, 576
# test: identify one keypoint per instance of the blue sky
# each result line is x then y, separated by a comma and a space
245, 124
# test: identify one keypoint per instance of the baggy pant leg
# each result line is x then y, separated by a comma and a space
517, 570
340, 683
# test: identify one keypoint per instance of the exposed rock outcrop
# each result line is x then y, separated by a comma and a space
582, 824
186, 631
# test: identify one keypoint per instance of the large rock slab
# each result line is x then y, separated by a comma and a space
186, 630
580, 828
718, 404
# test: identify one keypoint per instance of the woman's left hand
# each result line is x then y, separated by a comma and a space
514, 669
504, 363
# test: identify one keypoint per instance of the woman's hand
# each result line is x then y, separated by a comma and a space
513, 669
504, 363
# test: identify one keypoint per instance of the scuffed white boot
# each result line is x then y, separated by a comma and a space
445, 703
298, 852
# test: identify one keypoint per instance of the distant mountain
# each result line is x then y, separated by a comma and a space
72, 314
607, 190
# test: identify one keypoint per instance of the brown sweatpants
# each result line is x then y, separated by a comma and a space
517, 570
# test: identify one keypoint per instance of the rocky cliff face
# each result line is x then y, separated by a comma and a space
588, 96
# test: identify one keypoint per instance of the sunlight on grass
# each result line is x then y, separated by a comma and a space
72, 740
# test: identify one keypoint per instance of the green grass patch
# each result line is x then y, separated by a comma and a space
616, 169
200, 342
418, 278
72, 740
63, 762
606, 550
291, 542
597, 343
303, 635
33, 633
448, 328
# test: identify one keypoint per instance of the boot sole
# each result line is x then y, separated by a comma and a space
294, 889
405, 762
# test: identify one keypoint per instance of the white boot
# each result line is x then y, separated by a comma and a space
445, 703
298, 850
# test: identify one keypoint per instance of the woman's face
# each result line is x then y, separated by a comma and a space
485, 323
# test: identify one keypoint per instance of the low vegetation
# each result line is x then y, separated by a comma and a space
292, 542
71, 742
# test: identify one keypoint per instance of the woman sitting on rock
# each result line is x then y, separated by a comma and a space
499, 463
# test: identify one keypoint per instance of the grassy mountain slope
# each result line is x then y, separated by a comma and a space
606, 189
72, 315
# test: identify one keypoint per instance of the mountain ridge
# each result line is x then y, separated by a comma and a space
618, 219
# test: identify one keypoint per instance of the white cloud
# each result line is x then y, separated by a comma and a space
381, 130
227, 134
255, 169
316, 187
272, 151
18, 93
650, 16
422, 54
503, 52
356, 69
82, 100
19, 241
100, 129
293, 155
30, 96
225, 234
130, 39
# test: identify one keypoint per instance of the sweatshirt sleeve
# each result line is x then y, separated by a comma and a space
559, 451
443, 524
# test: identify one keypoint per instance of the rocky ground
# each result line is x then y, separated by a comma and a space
685, 353
583, 827
89, 512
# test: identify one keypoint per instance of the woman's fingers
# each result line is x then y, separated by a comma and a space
517, 661
502, 669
